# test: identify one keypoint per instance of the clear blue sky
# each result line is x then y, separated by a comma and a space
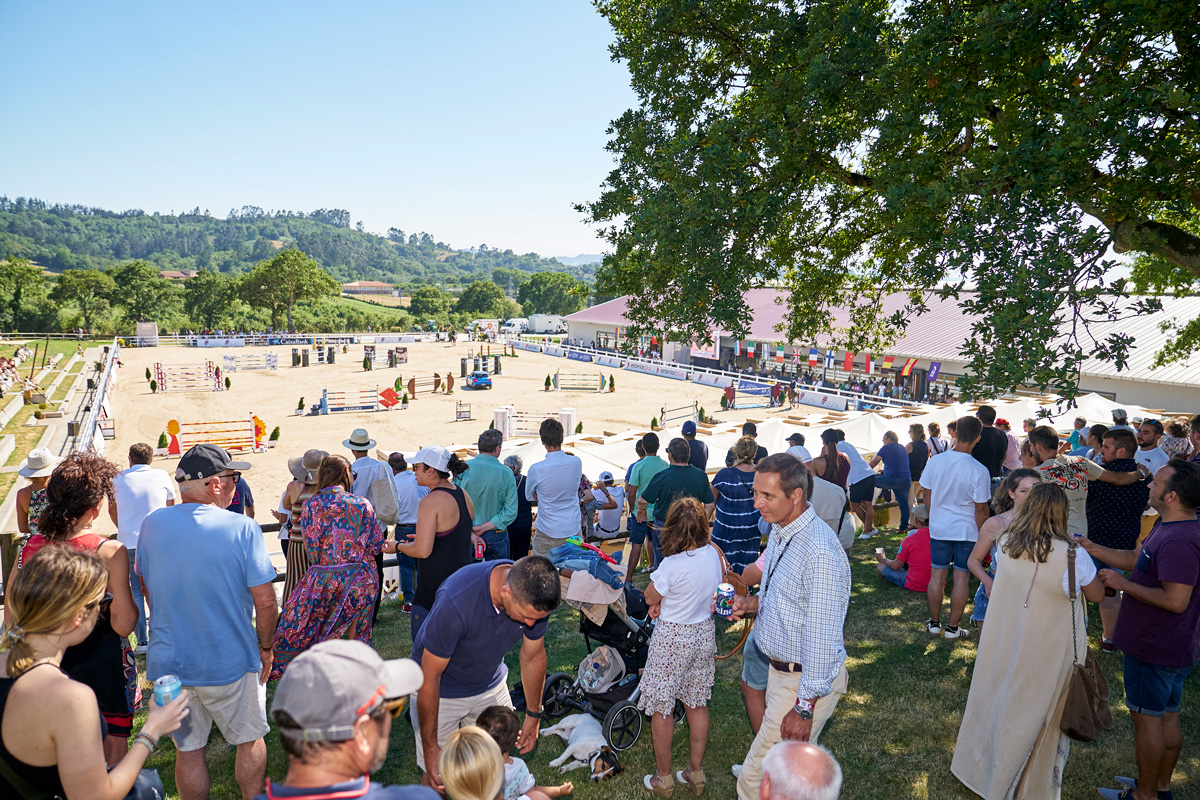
479, 122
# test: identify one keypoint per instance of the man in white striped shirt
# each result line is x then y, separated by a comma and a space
801, 612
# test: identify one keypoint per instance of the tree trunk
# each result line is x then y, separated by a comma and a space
291, 328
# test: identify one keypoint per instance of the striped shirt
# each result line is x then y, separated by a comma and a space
735, 523
802, 606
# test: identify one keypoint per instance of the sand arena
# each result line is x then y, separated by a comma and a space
273, 395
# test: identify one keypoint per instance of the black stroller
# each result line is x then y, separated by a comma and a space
616, 707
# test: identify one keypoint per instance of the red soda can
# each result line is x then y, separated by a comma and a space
479, 547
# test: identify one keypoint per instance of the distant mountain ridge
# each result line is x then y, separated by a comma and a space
61, 237
579, 260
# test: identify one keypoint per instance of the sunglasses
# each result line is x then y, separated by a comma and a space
396, 707
103, 603
233, 476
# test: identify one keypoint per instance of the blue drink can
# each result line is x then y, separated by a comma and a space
166, 689
725, 596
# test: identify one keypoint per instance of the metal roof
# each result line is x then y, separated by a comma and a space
939, 333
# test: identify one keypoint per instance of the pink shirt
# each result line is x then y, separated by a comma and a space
914, 552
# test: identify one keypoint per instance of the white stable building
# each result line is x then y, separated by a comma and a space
935, 337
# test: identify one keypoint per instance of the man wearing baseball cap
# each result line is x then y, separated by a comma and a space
699, 449
797, 448
334, 709
205, 572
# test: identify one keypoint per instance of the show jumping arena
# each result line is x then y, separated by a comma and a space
272, 395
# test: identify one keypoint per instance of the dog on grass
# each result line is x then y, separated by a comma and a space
585, 747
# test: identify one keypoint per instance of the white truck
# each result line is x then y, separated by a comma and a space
547, 323
515, 326
485, 326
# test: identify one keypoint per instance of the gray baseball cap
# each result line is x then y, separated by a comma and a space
329, 686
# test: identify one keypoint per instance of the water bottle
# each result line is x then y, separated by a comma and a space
166, 689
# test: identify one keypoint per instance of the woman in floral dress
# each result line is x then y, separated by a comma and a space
335, 597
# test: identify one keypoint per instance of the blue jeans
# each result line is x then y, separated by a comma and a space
496, 545
135, 583
900, 487
1152, 689
896, 576
405, 565
416, 619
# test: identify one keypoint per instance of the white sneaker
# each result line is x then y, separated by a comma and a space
865, 535
141, 649
956, 633
737, 770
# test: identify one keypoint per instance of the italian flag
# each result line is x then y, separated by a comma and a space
779, 353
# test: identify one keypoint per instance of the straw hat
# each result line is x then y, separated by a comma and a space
40, 463
359, 440
304, 468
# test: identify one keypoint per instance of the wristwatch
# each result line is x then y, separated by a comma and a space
805, 708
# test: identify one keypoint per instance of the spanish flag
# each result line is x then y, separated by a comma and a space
908, 367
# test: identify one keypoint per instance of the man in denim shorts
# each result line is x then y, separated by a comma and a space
1158, 628
956, 489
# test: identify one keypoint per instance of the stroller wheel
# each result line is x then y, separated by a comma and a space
623, 725
559, 687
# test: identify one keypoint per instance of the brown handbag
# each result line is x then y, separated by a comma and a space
1086, 714
728, 575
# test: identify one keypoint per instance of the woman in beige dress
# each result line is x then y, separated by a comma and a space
1010, 745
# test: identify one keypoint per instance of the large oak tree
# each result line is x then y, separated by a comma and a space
995, 151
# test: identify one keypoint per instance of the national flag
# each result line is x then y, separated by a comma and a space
908, 367
888, 361
934, 368
813, 355
737, 347
848, 364
828, 358
750, 349
779, 354
867, 364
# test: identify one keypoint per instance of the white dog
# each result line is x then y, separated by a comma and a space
585, 741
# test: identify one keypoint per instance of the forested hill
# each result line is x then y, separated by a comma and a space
61, 237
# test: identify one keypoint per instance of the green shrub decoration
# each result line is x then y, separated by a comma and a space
163, 441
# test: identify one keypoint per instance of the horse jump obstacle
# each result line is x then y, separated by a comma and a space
580, 381
350, 400
251, 363
668, 415
433, 385
393, 357
759, 394
192, 378
238, 434
513, 423
300, 357
462, 411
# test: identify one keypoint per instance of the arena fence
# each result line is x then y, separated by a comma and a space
98, 425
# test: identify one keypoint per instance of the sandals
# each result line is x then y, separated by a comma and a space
665, 788
694, 780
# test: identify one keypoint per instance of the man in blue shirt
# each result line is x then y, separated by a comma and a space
479, 613
205, 571
699, 457
896, 474
334, 709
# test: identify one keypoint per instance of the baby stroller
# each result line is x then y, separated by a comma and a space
605, 689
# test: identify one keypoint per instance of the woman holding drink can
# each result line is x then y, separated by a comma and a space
51, 730
680, 664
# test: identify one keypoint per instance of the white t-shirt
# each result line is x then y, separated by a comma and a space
955, 483
859, 470
687, 581
1155, 459
408, 495
287, 513
610, 518
800, 452
828, 500
554, 483
138, 491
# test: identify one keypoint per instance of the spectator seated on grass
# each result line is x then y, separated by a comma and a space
910, 569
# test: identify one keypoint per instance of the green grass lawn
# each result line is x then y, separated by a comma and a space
894, 732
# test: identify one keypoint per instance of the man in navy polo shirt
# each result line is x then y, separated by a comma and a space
1158, 628
479, 613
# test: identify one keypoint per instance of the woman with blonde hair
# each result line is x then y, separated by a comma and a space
51, 730
1034, 636
76, 495
735, 520
471, 765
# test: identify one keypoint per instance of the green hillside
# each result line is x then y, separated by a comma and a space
60, 237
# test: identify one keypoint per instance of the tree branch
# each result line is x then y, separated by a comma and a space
1136, 232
